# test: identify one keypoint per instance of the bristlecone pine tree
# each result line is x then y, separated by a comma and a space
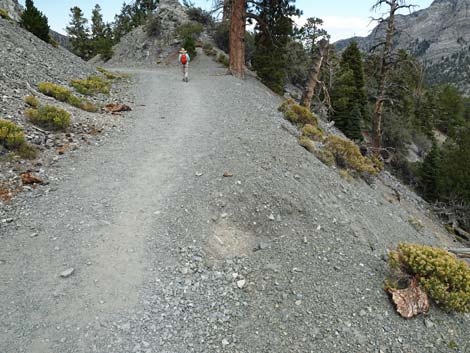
386, 62
35, 22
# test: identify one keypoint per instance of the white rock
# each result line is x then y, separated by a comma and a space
241, 283
67, 273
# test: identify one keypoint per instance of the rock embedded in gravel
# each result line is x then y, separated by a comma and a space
67, 273
241, 283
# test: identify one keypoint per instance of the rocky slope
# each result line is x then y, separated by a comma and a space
170, 256
439, 36
26, 61
137, 48
12, 7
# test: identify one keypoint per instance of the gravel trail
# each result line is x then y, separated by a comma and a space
170, 256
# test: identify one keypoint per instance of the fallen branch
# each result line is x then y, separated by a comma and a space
460, 252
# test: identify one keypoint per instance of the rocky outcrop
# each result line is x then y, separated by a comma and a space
139, 48
439, 36
13, 8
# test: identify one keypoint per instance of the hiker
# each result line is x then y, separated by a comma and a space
184, 59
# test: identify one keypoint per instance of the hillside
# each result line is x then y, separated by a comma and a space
439, 36
168, 255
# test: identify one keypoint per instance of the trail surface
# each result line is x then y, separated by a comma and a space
170, 256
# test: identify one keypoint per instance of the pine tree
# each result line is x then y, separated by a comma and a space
430, 173
352, 59
101, 35
78, 33
269, 59
35, 21
348, 96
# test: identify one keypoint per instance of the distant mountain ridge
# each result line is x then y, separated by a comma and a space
439, 36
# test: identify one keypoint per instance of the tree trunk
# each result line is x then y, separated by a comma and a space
237, 38
319, 55
383, 78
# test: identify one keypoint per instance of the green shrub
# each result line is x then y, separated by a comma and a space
297, 114
199, 15
92, 85
4, 14
49, 117
52, 90
12, 138
312, 132
306, 143
347, 155
32, 101
325, 156
189, 30
11, 135
223, 59
65, 95
109, 75
445, 278
190, 45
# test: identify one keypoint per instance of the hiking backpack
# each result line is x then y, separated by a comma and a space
184, 59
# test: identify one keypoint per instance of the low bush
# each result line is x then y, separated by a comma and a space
313, 132
199, 15
306, 143
4, 14
189, 30
109, 75
49, 117
348, 155
445, 278
52, 90
11, 135
92, 85
32, 101
12, 138
190, 45
297, 114
325, 156
223, 59
65, 95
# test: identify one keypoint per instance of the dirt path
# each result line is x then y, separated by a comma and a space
170, 256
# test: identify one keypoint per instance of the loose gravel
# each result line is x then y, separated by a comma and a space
168, 255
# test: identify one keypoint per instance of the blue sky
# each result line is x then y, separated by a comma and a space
343, 18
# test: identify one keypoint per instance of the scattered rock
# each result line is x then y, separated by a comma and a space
241, 283
67, 273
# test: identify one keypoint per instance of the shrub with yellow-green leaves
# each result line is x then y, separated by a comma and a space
63, 94
223, 59
49, 117
445, 278
12, 138
348, 155
297, 114
109, 75
92, 85
32, 101
312, 132
306, 143
325, 156
4, 14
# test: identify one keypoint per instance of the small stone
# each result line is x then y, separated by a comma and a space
271, 217
241, 283
225, 342
198, 174
428, 323
298, 302
67, 273
296, 176
362, 313
224, 215
34, 235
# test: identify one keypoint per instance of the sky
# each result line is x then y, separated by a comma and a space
342, 18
